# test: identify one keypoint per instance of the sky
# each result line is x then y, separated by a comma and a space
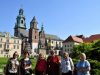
59, 17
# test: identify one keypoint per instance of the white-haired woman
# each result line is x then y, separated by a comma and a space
67, 65
83, 66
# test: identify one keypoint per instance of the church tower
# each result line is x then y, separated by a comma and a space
34, 34
42, 38
20, 25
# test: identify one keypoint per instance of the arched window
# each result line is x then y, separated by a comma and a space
22, 21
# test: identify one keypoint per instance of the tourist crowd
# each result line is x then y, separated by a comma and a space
53, 65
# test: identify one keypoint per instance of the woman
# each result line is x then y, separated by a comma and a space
26, 65
40, 68
53, 64
83, 66
12, 67
67, 66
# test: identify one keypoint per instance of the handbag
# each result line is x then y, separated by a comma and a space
70, 72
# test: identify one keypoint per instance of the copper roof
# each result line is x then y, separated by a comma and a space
53, 37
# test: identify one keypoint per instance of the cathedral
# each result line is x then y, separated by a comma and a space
33, 39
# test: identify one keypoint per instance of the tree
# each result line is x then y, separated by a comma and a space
96, 44
84, 47
95, 50
90, 49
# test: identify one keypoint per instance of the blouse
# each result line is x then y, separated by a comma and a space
83, 64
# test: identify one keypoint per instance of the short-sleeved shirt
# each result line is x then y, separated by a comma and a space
66, 65
53, 65
25, 63
13, 65
83, 64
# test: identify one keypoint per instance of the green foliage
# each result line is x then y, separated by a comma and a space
92, 51
95, 54
3, 62
95, 72
33, 63
75, 61
96, 44
94, 64
82, 48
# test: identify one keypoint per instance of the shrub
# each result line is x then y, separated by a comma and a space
75, 61
94, 64
95, 72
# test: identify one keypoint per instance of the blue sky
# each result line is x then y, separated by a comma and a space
60, 17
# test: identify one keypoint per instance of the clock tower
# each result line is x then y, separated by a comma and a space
20, 25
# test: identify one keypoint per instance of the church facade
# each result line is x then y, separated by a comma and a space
33, 37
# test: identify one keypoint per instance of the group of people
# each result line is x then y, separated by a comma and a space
19, 67
53, 65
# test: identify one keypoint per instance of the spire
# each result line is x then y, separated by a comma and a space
21, 11
33, 23
42, 28
42, 33
34, 19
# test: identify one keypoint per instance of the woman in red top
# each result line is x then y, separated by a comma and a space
53, 64
40, 68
